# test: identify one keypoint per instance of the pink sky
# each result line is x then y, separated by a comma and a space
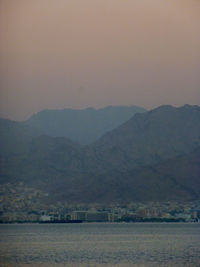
80, 53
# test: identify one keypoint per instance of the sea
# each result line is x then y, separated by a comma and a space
100, 244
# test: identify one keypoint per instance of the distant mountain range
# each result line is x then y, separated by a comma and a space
150, 137
82, 125
153, 156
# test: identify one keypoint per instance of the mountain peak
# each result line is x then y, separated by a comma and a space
84, 126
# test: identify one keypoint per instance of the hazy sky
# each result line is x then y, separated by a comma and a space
80, 53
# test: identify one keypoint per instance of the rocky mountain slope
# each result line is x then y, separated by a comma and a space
152, 156
84, 126
150, 137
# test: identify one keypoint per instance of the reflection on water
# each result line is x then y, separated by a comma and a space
134, 244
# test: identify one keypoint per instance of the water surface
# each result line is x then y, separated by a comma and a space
100, 244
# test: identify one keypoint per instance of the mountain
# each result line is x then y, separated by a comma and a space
84, 126
148, 138
14, 136
28, 156
154, 156
175, 179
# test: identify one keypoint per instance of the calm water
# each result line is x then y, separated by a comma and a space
124, 245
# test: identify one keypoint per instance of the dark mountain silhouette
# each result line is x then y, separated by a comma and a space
28, 155
177, 179
147, 138
152, 156
84, 126
14, 136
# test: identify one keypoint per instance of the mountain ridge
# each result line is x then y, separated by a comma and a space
84, 125
152, 156
151, 136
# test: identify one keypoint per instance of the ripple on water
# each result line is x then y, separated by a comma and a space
100, 245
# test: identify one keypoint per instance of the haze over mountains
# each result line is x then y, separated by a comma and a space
153, 156
82, 125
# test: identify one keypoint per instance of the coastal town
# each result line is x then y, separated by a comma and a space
20, 204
